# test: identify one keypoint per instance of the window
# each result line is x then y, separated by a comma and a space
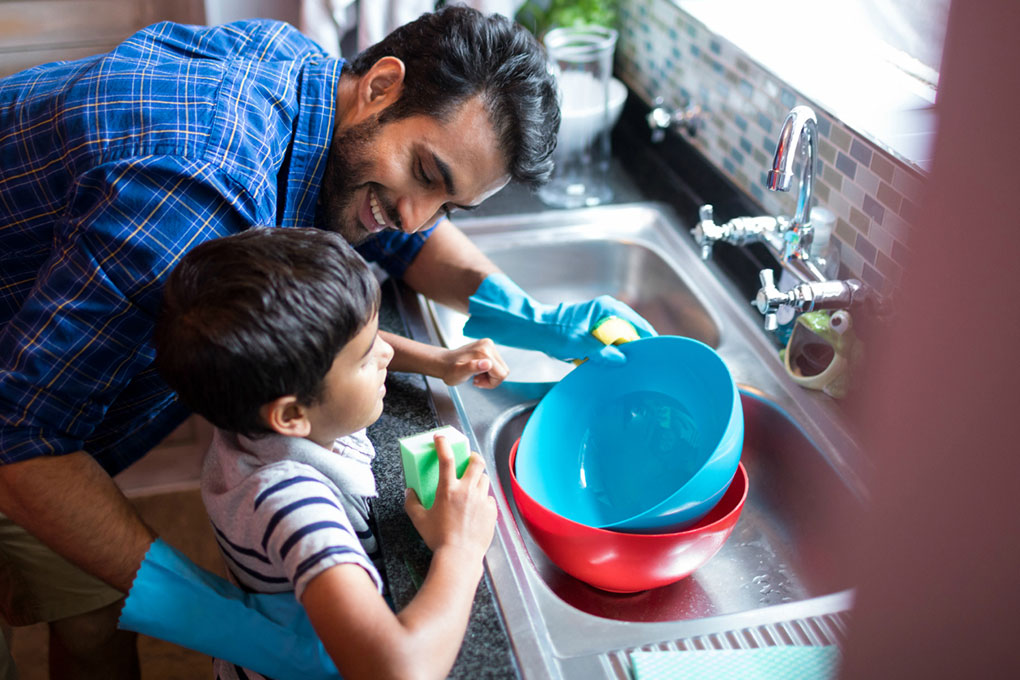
871, 63
911, 32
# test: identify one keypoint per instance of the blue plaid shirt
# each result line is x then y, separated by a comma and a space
112, 168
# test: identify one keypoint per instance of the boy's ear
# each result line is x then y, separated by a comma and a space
380, 86
286, 416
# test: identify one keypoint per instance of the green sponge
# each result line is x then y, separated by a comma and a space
421, 466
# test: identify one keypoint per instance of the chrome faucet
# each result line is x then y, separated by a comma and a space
800, 126
789, 239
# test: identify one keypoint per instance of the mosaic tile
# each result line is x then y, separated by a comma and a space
897, 227
851, 260
906, 182
838, 204
827, 151
822, 192
834, 178
885, 263
665, 52
873, 209
824, 126
859, 220
881, 239
853, 193
882, 167
867, 180
844, 231
860, 152
840, 137
741, 178
889, 197
872, 277
846, 165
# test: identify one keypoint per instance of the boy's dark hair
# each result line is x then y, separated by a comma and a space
457, 52
258, 315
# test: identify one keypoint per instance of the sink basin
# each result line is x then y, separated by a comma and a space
777, 580
582, 258
772, 556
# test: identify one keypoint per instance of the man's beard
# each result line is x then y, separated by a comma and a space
346, 167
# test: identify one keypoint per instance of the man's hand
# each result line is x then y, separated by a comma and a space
502, 311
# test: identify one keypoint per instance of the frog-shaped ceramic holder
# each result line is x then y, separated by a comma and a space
821, 351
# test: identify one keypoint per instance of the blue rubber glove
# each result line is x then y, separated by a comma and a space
502, 311
174, 599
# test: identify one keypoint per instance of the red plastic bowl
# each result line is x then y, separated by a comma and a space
623, 562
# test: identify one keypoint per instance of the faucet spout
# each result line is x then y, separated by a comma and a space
789, 239
800, 127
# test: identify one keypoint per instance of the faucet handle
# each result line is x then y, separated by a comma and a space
769, 299
688, 117
705, 231
659, 120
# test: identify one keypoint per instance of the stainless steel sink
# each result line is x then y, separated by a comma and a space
775, 581
576, 262
772, 556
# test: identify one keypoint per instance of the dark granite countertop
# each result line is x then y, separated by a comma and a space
408, 410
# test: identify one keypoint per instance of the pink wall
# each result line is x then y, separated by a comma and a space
938, 557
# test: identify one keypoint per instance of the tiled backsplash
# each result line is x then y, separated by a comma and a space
664, 52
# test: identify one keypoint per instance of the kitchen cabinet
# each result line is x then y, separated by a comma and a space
40, 31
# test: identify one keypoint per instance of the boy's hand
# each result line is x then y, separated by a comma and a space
464, 514
479, 359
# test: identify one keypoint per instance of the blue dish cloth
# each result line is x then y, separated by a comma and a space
766, 663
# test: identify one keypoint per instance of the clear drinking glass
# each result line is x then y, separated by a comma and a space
582, 59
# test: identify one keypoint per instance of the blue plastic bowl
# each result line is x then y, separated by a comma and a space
639, 446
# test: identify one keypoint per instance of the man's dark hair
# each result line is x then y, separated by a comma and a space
456, 53
255, 316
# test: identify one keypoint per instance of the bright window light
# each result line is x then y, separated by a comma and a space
871, 63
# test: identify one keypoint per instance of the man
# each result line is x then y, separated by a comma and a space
114, 166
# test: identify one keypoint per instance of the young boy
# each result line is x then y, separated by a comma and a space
272, 335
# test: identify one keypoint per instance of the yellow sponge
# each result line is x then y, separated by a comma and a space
421, 465
612, 330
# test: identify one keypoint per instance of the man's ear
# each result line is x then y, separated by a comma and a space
286, 416
380, 86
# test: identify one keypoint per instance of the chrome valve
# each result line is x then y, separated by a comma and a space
738, 231
805, 297
769, 299
688, 118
